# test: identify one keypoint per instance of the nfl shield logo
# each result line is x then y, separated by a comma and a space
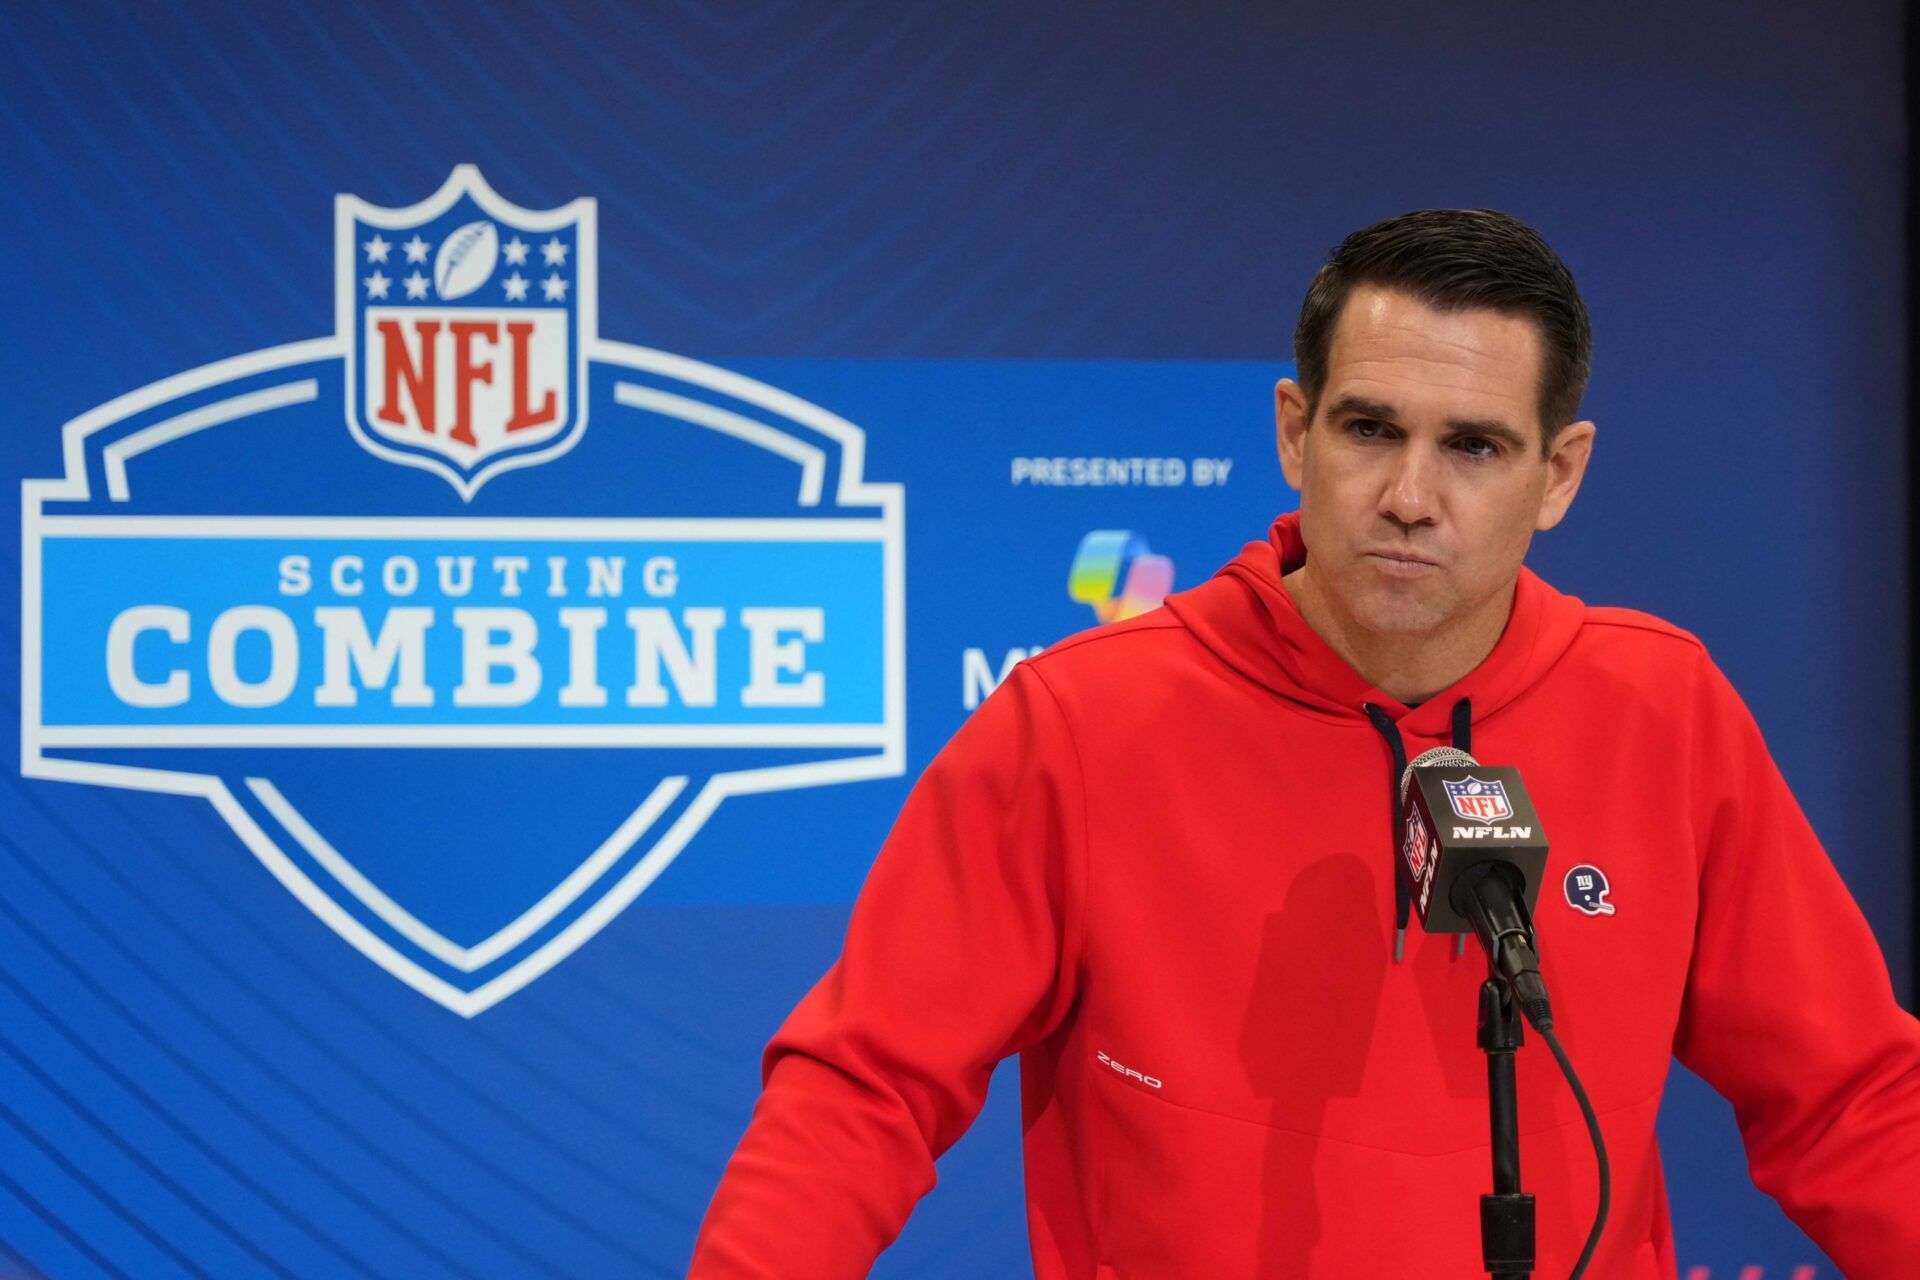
466, 320
1479, 801
1415, 846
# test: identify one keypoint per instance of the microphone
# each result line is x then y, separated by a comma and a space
1472, 854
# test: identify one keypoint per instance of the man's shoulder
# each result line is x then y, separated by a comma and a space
1639, 656
1633, 631
1114, 646
1129, 662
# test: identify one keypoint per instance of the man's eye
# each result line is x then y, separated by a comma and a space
1366, 428
1477, 446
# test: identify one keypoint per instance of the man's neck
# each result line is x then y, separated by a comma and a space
1410, 668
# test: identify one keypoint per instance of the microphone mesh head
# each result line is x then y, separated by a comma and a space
1432, 758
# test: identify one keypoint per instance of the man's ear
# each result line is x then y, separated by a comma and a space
1290, 430
1565, 467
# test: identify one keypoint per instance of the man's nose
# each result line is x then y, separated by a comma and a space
1409, 497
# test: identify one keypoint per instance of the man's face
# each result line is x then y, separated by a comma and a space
1421, 478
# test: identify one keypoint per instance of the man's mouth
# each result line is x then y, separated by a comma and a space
1401, 563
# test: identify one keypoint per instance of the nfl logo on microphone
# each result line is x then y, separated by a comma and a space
1479, 801
1416, 845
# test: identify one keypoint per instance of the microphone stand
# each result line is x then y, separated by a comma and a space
1506, 1216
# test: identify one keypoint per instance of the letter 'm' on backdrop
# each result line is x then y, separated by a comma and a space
511, 499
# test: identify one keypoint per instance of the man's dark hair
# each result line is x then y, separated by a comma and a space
1454, 259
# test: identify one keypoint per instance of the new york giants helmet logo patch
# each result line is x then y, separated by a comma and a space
1586, 888
1479, 801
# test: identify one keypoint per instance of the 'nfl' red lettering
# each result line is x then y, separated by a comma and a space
417, 369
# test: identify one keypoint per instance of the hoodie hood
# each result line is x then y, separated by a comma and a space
1246, 617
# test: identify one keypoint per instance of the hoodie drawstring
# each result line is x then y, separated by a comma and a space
1402, 900
1463, 739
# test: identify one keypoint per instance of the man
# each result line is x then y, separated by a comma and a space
1157, 863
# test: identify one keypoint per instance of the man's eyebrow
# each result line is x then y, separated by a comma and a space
1362, 407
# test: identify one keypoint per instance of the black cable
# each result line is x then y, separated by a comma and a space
1599, 1150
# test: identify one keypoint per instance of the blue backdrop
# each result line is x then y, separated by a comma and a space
291, 986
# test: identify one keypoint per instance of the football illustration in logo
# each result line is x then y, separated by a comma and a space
465, 260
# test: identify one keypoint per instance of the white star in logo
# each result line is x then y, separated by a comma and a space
416, 248
377, 285
376, 248
554, 252
516, 251
554, 287
416, 285
516, 285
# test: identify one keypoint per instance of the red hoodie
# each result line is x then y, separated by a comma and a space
1157, 864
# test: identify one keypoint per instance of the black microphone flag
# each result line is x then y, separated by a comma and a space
1456, 815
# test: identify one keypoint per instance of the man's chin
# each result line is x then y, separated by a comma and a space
1398, 616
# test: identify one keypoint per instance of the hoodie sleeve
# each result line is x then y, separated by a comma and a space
961, 951
1789, 1012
